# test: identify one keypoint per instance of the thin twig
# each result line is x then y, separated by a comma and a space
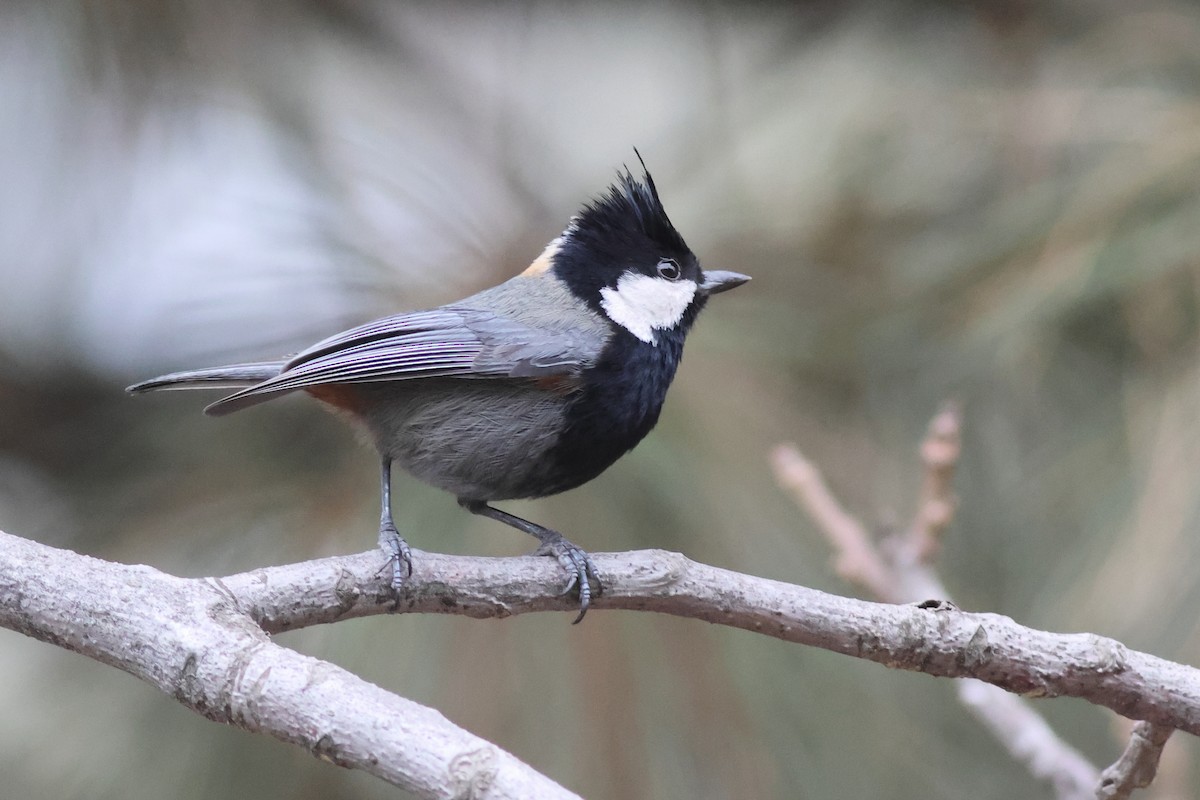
856, 560
936, 502
1136, 767
901, 571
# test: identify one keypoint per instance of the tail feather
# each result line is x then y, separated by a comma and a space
233, 376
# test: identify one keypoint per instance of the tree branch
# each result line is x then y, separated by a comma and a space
88, 605
190, 639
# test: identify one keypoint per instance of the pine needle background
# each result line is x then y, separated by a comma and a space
997, 202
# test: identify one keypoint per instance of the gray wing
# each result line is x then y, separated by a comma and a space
452, 341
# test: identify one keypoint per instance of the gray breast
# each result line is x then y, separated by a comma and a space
480, 439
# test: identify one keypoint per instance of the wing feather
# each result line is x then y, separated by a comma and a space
452, 341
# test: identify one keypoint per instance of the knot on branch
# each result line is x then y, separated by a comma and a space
1110, 657
977, 652
472, 773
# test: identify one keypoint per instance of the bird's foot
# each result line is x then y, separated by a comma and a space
580, 569
399, 556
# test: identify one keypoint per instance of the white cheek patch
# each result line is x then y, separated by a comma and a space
642, 304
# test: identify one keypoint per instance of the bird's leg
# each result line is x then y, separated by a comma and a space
390, 540
573, 558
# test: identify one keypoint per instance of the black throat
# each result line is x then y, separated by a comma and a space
619, 404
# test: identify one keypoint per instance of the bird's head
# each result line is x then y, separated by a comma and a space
623, 257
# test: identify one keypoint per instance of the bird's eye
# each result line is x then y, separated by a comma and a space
667, 268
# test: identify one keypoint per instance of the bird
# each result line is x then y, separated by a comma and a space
526, 389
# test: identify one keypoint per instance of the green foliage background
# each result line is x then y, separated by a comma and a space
997, 202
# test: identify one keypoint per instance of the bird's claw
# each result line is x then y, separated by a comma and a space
580, 569
399, 556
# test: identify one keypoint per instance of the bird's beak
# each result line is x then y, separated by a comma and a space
719, 280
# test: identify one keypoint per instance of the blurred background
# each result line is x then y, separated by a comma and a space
991, 201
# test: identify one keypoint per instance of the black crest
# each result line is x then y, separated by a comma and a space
625, 227
632, 207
